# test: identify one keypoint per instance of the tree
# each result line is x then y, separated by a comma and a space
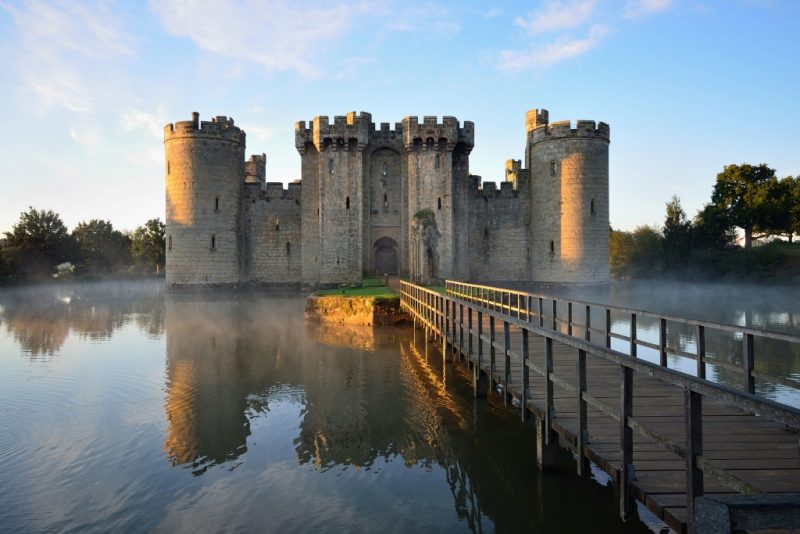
148, 244
37, 243
712, 228
677, 233
102, 249
740, 190
793, 187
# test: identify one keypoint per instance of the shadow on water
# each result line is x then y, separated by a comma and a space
268, 423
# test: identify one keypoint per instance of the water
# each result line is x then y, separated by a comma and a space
125, 409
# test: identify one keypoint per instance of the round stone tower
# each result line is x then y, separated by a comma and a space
205, 173
569, 199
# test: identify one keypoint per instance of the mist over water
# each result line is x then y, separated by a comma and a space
126, 409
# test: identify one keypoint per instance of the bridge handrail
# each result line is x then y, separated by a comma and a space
771, 334
494, 298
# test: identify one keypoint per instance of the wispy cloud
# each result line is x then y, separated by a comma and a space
635, 9
275, 34
149, 122
547, 55
557, 16
61, 44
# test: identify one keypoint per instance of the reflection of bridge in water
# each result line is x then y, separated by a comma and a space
361, 402
676, 442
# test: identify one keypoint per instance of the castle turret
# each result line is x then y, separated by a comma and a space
205, 173
333, 178
569, 189
438, 170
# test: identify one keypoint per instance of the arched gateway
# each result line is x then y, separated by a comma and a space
385, 256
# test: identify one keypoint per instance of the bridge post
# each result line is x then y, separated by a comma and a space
626, 473
546, 446
549, 405
460, 332
506, 362
469, 338
701, 351
525, 376
491, 351
583, 433
693, 419
445, 326
480, 381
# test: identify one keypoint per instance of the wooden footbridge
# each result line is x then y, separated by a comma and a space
703, 456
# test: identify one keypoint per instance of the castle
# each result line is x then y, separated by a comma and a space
375, 200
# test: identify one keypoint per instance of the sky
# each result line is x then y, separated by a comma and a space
687, 87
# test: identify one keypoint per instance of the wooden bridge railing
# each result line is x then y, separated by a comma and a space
443, 315
546, 308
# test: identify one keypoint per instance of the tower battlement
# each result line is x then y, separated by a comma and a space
220, 128
535, 118
348, 132
430, 132
255, 169
584, 129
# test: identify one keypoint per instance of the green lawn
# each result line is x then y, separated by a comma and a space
370, 287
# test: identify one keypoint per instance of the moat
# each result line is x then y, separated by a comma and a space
127, 409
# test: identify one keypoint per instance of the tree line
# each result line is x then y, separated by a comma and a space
749, 197
40, 246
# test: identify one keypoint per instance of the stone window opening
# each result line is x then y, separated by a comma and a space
552, 168
277, 225
347, 203
552, 247
169, 243
439, 203
591, 207
213, 242
438, 160
216, 204
330, 166
288, 248
385, 168
385, 200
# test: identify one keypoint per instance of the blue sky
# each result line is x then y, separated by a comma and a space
687, 87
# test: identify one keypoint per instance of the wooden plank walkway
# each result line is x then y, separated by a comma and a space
737, 452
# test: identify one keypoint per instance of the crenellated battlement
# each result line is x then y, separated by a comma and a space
490, 190
255, 169
535, 118
431, 134
220, 128
584, 129
348, 132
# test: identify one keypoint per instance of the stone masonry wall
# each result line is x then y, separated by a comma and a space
273, 230
499, 233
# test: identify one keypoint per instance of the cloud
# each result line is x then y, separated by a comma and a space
557, 16
277, 35
151, 123
547, 55
429, 19
635, 9
61, 44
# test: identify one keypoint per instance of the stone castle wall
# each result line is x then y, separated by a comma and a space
273, 234
362, 189
499, 233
